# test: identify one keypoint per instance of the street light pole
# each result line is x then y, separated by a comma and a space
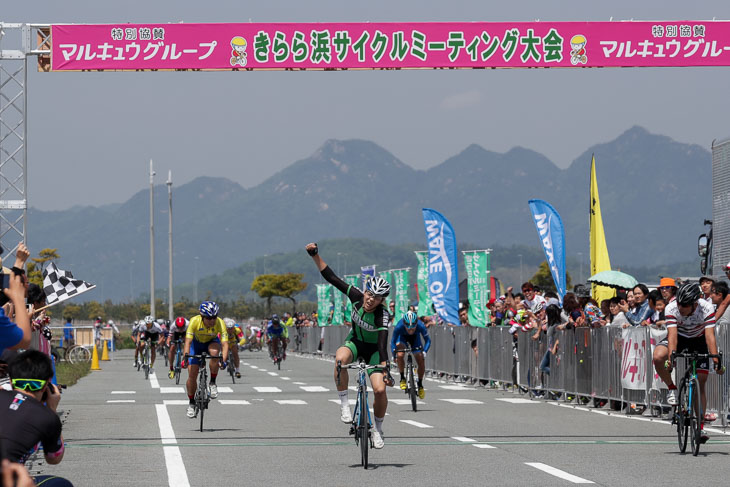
152, 241
169, 244
131, 289
195, 282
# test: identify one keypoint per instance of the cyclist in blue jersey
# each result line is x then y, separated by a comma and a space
409, 331
277, 335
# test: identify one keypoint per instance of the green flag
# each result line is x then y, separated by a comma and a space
388, 276
400, 277
323, 303
337, 313
353, 280
424, 299
477, 265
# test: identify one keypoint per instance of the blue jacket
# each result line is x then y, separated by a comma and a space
400, 335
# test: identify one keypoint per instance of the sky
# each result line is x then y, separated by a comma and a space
93, 134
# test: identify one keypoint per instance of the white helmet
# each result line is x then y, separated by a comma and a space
148, 320
378, 286
230, 323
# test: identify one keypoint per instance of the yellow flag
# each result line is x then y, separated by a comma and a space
599, 252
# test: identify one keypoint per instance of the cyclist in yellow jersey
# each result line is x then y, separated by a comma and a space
206, 333
234, 331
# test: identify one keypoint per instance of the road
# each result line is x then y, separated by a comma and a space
282, 427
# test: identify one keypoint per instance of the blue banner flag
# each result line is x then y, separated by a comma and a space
443, 281
552, 236
367, 272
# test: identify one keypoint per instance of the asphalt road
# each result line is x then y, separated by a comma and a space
282, 427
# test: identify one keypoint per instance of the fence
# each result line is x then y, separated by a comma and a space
600, 364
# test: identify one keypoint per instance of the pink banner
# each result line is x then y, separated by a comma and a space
390, 45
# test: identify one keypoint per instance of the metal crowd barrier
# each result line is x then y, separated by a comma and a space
607, 364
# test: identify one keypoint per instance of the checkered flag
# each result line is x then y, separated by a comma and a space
60, 285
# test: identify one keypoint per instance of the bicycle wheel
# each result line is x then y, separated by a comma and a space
412, 385
230, 367
682, 410
695, 417
363, 426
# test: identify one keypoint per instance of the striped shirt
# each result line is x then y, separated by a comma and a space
694, 325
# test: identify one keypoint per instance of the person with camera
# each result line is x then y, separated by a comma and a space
14, 335
28, 414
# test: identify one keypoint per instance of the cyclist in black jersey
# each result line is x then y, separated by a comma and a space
368, 340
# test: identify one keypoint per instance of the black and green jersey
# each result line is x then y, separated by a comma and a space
367, 328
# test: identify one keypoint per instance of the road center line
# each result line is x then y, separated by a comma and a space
153, 381
464, 439
414, 423
559, 473
176, 474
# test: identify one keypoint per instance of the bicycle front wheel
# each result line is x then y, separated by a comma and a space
695, 417
364, 431
682, 411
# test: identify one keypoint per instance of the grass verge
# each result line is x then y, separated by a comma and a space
69, 374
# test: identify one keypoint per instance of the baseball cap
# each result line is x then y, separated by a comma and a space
667, 282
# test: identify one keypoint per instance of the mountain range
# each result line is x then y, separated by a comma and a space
655, 193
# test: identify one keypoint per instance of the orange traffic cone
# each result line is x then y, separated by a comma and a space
105, 351
95, 360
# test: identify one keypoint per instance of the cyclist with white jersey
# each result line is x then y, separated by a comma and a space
690, 324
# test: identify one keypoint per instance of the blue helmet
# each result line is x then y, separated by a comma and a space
209, 309
410, 319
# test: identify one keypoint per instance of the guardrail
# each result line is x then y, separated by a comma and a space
597, 365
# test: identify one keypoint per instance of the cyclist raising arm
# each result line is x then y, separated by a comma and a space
368, 340
691, 327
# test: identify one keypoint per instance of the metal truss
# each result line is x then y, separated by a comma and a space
18, 42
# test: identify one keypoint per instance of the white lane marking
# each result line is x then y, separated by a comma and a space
516, 400
253, 366
314, 389
175, 402
153, 381
414, 423
351, 402
300, 383
267, 389
462, 401
404, 402
297, 402
176, 474
122, 400
124, 392
457, 388
483, 446
224, 389
234, 402
285, 378
558, 473
273, 374
720, 432
463, 439
172, 390
244, 363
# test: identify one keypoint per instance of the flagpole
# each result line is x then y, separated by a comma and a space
152, 241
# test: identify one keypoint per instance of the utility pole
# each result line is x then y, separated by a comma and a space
169, 244
152, 241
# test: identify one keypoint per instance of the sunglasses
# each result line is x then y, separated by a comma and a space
210, 317
29, 384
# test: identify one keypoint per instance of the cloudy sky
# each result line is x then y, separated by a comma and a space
94, 133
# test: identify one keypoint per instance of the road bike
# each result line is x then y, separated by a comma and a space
231, 368
202, 394
163, 349
277, 357
146, 358
688, 411
361, 422
177, 364
411, 370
